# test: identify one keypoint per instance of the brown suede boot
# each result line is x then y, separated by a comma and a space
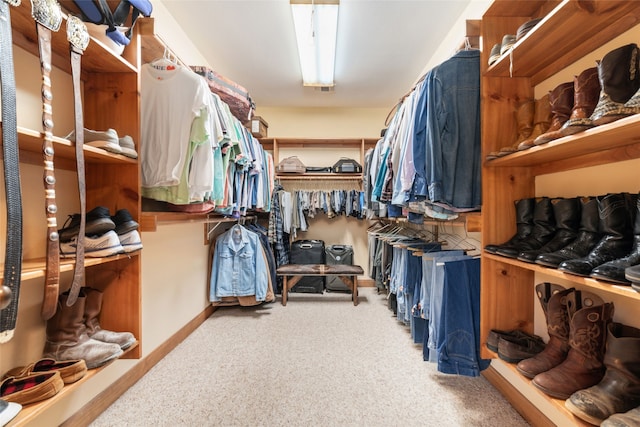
92, 308
619, 390
589, 317
553, 300
67, 337
541, 122
561, 100
524, 120
586, 95
628, 419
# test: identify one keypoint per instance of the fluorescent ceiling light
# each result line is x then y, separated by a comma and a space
316, 27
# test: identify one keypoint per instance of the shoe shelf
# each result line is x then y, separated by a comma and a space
30, 142
603, 144
35, 268
545, 402
30, 412
596, 285
565, 34
96, 58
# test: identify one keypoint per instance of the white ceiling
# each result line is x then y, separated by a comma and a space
382, 47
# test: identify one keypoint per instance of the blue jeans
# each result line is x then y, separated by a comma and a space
436, 308
459, 330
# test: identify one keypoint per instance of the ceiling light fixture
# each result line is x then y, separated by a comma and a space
316, 25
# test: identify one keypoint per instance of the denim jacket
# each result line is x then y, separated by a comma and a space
238, 267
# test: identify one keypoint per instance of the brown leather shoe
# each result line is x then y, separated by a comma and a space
515, 349
495, 334
32, 388
70, 370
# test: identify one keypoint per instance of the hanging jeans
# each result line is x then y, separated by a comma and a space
459, 330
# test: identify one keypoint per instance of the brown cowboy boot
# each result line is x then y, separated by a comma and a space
561, 100
541, 122
589, 317
619, 390
553, 300
524, 120
586, 94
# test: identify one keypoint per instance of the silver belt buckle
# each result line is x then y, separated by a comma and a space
47, 13
77, 33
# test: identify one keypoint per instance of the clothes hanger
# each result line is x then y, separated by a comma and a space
166, 62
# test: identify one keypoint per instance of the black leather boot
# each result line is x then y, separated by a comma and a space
613, 271
567, 216
543, 230
588, 236
615, 225
524, 224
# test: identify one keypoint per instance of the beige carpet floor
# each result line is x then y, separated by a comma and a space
319, 361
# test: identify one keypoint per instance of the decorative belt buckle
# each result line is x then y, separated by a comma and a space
15, 3
77, 33
47, 13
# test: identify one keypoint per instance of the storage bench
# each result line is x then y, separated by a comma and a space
292, 273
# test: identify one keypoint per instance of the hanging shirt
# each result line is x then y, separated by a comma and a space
170, 101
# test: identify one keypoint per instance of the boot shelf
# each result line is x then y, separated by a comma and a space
576, 31
596, 285
552, 408
29, 413
34, 268
595, 146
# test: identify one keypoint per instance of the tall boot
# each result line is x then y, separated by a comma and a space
619, 81
614, 271
541, 122
588, 236
619, 390
561, 99
587, 93
589, 317
615, 225
628, 419
93, 306
553, 299
524, 224
67, 337
543, 230
567, 219
524, 121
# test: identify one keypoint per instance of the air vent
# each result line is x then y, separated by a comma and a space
325, 88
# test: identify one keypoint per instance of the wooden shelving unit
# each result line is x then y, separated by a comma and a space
568, 31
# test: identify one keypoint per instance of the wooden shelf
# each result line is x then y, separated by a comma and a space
31, 411
35, 268
320, 176
151, 220
615, 141
97, 57
555, 404
30, 142
596, 285
569, 32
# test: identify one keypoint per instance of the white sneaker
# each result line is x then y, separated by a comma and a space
107, 140
130, 241
128, 147
94, 246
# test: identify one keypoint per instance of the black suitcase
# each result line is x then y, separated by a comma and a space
308, 252
338, 254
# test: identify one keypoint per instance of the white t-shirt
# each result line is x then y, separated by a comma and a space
170, 100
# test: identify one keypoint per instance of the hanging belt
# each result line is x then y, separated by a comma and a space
48, 18
78, 41
13, 256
